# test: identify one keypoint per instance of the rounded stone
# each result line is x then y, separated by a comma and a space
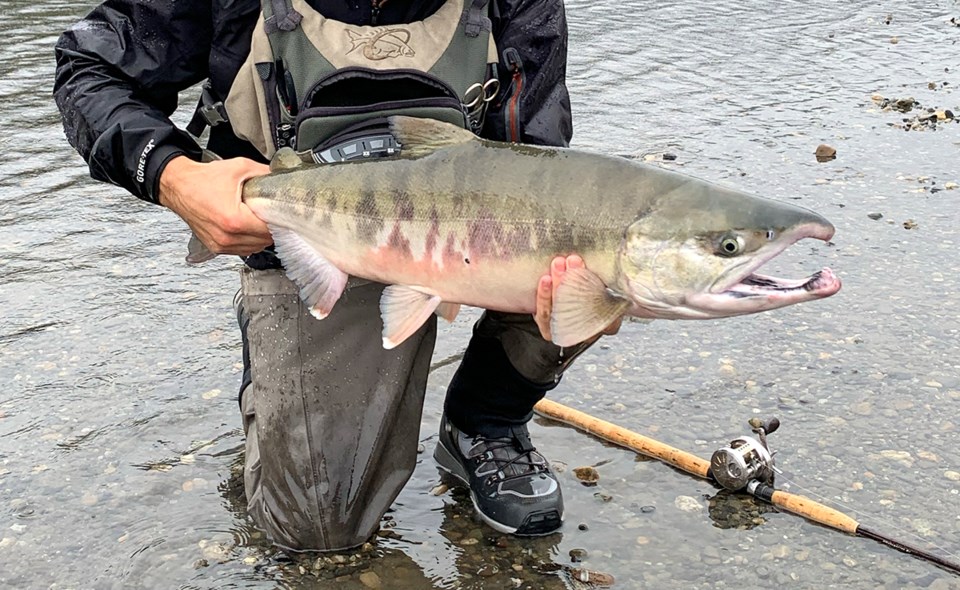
687, 504
370, 580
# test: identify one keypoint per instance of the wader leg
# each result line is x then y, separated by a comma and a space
507, 368
331, 418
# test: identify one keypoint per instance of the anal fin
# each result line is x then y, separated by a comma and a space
583, 306
321, 283
404, 310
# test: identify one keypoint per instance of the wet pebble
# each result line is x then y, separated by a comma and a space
577, 555
588, 476
648, 509
216, 552
370, 580
583, 526
487, 570
903, 457
595, 579
780, 552
875, 216
825, 153
710, 555
603, 497
687, 504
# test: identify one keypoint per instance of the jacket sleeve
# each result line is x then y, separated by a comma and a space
118, 74
533, 105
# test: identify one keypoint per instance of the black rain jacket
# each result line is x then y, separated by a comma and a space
120, 69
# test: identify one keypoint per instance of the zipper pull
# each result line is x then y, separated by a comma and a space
512, 111
512, 57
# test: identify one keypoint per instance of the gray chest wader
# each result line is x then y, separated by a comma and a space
331, 418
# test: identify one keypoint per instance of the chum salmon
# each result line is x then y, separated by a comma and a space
456, 219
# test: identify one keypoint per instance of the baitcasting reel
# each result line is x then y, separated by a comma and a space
746, 459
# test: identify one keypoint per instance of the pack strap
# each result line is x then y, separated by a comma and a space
477, 19
210, 111
283, 17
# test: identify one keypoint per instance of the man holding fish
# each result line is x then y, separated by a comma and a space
384, 209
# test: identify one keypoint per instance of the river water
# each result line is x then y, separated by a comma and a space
119, 430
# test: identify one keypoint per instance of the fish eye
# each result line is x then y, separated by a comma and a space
771, 234
731, 246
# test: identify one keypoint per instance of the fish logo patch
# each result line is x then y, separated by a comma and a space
381, 43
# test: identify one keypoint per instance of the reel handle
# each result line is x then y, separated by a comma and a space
769, 426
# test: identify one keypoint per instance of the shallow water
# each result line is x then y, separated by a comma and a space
119, 431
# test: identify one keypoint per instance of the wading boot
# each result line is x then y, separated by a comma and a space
511, 484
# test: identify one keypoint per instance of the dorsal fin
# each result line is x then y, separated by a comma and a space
286, 158
421, 137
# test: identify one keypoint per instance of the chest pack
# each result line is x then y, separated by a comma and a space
325, 88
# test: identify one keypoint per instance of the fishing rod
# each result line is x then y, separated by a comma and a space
746, 464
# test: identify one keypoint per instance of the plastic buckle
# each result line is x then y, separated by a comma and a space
214, 114
374, 146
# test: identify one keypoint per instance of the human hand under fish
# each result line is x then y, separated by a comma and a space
547, 289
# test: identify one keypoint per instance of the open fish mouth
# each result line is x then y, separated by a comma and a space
743, 282
822, 283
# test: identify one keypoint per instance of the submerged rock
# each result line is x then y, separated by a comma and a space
588, 476
687, 504
825, 153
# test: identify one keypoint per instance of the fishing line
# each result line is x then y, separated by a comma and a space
865, 516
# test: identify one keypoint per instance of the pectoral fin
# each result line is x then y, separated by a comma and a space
404, 310
321, 283
583, 306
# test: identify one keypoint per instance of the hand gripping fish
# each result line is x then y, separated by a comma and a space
461, 220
